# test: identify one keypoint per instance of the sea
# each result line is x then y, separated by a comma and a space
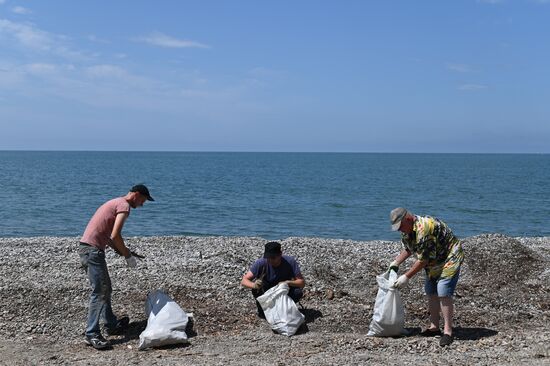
275, 195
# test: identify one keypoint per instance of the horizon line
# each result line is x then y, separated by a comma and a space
282, 152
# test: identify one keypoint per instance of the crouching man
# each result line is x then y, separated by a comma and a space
272, 269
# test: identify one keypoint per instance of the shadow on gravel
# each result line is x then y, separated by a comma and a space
411, 332
473, 334
465, 334
170, 346
132, 332
302, 330
311, 315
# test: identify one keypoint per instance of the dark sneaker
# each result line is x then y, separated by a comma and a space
430, 333
97, 341
446, 340
120, 327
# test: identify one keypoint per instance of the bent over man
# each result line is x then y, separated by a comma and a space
105, 229
440, 254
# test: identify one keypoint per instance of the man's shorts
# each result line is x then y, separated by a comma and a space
442, 287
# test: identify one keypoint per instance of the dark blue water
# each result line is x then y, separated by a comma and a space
275, 195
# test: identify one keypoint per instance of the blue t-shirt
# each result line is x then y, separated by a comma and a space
287, 270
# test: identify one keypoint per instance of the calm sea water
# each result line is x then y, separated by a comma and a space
275, 195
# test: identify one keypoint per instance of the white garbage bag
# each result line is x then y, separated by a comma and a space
280, 310
166, 323
389, 317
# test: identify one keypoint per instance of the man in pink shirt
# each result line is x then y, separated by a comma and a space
104, 229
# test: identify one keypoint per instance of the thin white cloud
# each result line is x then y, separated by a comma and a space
20, 10
104, 85
2, 2
108, 87
472, 87
459, 67
27, 35
32, 38
163, 40
98, 85
112, 86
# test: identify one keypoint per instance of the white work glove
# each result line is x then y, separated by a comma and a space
131, 261
393, 266
258, 284
401, 282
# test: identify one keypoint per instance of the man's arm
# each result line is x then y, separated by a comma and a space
402, 256
117, 243
247, 280
417, 266
298, 281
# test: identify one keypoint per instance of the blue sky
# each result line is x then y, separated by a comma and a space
359, 76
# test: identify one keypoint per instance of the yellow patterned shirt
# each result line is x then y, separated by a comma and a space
432, 240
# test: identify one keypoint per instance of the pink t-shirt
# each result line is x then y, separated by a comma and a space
99, 229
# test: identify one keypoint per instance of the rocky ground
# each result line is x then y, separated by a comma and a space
502, 303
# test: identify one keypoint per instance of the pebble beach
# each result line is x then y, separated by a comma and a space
502, 303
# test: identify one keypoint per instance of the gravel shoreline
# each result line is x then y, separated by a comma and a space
502, 303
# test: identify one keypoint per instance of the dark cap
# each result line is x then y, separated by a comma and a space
140, 188
272, 249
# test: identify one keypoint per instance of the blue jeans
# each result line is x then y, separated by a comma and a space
93, 262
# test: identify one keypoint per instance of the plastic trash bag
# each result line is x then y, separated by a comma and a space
166, 323
280, 311
389, 317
